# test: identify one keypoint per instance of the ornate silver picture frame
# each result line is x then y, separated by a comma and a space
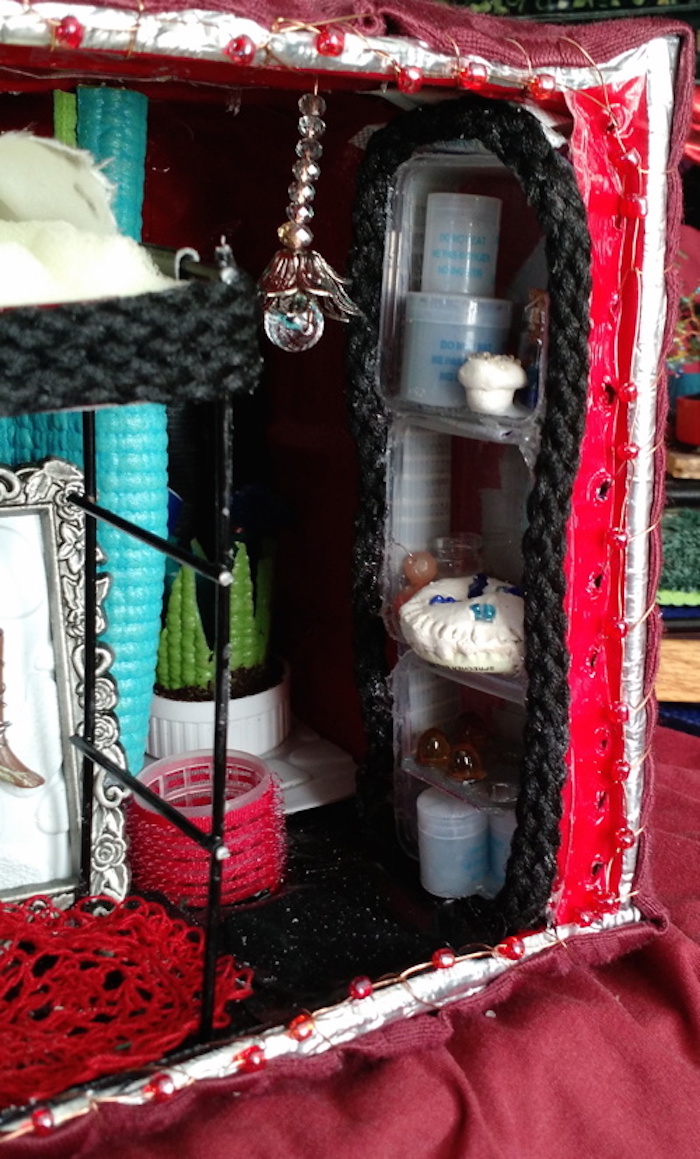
42, 612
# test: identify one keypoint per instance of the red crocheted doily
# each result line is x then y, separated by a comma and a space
99, 988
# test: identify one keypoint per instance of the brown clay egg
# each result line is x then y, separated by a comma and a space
433, 748
465, 764
420, 568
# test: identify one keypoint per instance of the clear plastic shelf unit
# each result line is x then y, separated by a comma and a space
510, 688
444, 482
464, 278
472, 723
464, 273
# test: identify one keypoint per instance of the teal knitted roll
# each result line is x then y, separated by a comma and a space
132, 454
112, 125
132, 473
131, 443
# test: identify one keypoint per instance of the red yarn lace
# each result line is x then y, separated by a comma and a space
100, 988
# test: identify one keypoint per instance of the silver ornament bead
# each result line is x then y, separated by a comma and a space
306, 170
301, 193
311, 104
300, 213
312, 150
311, 127
295, 236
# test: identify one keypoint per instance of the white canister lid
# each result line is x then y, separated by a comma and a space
440, 815
472, 205
459, 309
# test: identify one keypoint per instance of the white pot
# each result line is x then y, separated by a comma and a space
256, 724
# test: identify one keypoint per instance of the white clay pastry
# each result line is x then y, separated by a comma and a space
490, 382
470, 623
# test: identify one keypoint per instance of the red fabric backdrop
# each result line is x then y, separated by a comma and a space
592, 1063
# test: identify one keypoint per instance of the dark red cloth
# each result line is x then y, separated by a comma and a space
595, 1062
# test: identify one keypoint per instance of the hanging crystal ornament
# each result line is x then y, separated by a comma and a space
299, 286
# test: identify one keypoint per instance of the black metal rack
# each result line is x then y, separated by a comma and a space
218, 573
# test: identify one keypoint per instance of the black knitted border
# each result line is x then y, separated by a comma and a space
194, 342
548, 181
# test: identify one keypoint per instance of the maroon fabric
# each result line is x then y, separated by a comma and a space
579, 1061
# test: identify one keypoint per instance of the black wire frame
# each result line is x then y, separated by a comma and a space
219, 574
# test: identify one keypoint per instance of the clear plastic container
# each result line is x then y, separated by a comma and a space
501, 829
427, 701
442, 484
453, 845
440, 332
422, 201
461, 244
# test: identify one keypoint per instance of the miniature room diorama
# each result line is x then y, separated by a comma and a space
332, 428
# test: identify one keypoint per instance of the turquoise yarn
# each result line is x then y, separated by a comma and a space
132, 461
112, 125
132, 450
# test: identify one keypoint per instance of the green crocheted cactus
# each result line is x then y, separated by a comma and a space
244, 644
250, 611
263, 608
184, 656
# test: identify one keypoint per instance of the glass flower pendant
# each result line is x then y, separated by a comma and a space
298, 287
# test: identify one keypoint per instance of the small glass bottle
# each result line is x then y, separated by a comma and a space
457, 555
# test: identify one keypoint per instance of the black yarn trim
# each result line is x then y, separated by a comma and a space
548, 181
196, 342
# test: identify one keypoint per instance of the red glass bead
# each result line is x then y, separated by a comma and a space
420, 567
474, 76
618, 537
621, 770
160, 1088
627, 392
633, 206
541, 86
409, 79
42, 1121
444, 958
607, 901
625, 838
301, 1027
618, 629
511, 948
585, 918
619, 712
360, 987
240, 50
628, 451
250, 1059
631, 158
69, 32
330, 42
